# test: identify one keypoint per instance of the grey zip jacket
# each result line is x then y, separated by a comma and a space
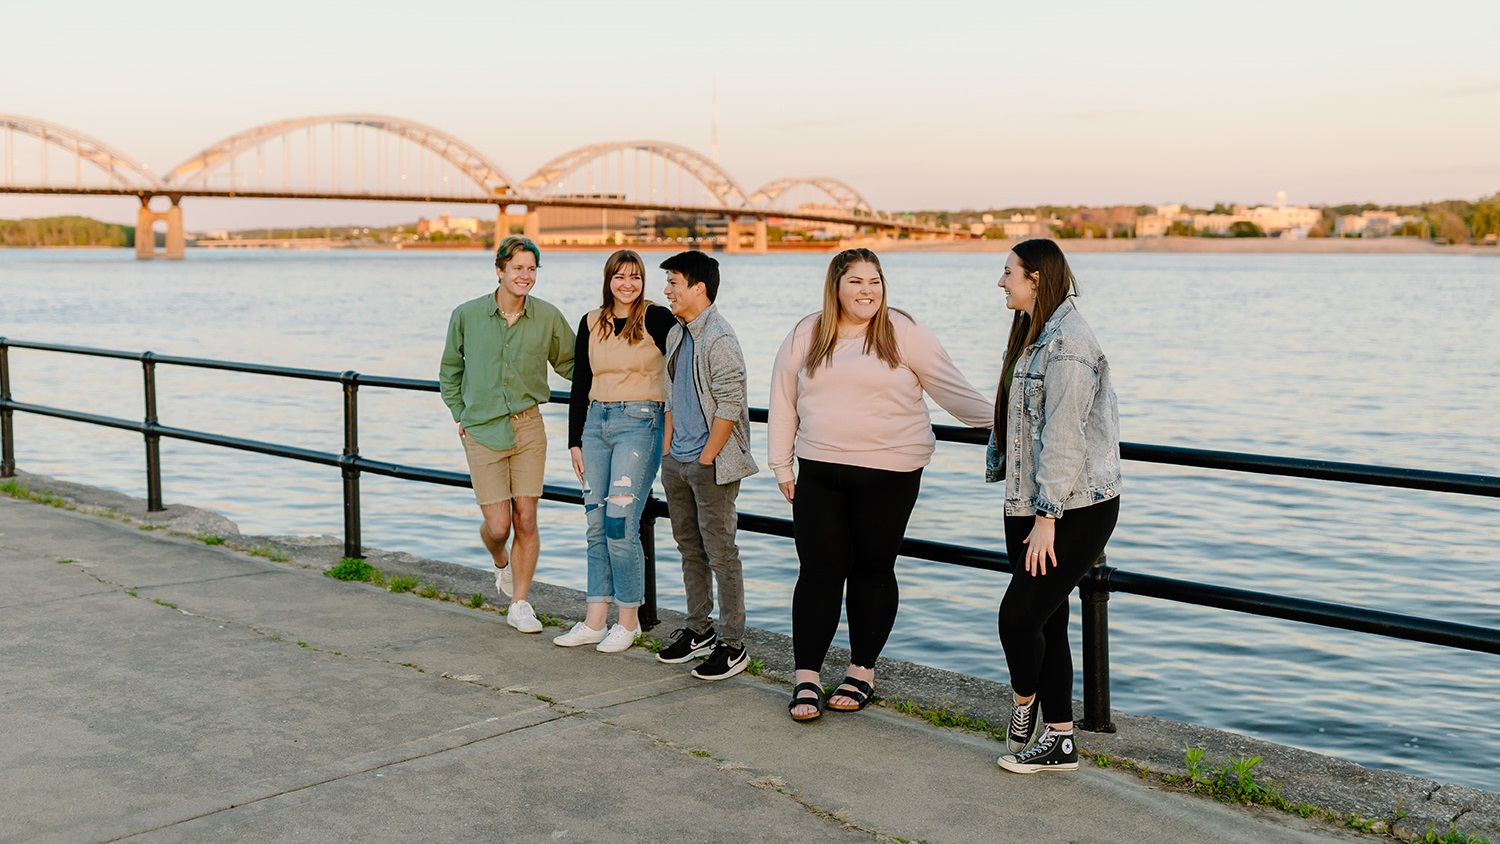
1062, 423
719, 376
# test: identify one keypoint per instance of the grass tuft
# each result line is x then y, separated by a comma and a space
1452, 836
208, 539
16, 489
476, 601
271, 552
351, 568
946, 716
403, 583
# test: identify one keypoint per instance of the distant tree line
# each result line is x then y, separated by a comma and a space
1447, 221
64, 231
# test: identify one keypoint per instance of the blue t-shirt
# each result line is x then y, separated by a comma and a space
689, 429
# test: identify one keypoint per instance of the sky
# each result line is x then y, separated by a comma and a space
947, 105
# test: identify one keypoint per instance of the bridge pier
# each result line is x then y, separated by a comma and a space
734, 236
533, 227
145, 234
503, 222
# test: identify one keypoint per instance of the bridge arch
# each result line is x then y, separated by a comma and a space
842, 194
552, 177
484, 173
121, 170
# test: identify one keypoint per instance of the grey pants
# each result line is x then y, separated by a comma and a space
703, 522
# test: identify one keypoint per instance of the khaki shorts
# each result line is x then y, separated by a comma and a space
515, 473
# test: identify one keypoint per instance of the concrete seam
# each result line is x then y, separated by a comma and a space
378, 762
767, 782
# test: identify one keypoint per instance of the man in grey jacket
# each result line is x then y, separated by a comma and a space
705, 454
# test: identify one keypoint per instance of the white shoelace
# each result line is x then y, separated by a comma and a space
1019, 717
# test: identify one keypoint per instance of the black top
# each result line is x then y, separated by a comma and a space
659, 322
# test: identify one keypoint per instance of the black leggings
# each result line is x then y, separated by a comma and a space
1034, 611
848, 522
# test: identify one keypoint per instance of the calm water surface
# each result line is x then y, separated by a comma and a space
1375, 359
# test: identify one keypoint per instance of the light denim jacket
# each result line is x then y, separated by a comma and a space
1062, 423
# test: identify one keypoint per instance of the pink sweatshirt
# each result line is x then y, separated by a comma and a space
859, 411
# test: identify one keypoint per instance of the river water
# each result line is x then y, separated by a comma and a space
1386, 359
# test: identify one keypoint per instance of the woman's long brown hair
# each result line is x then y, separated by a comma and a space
880, 336
1044, 263
635, 322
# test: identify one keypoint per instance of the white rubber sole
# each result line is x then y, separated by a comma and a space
1020, 768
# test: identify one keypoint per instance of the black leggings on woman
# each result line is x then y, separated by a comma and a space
848, 522
1034, 611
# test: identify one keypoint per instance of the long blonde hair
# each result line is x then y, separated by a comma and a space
635, 321
880, 336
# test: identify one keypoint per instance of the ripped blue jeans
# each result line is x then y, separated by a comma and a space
621, 455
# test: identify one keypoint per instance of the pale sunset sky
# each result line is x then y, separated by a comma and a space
918, 105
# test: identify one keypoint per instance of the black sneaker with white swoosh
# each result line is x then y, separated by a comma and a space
725, 662
687, 645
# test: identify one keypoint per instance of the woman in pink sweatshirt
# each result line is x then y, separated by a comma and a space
846, 398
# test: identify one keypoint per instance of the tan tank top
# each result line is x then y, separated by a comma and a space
625, 371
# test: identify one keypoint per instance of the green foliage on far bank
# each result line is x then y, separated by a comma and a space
64, 231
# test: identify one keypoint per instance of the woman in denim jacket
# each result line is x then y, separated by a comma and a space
1056, 444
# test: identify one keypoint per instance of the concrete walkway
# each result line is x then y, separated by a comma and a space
156, 689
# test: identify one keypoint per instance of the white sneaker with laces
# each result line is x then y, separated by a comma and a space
619, 639
581, 634
522, 617
503, 581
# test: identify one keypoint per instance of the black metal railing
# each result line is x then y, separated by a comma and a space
1094, 590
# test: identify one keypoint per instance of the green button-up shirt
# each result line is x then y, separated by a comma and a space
491, 370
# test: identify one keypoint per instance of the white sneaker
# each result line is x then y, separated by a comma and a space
503, 581
581, 634
619, 639
522, 617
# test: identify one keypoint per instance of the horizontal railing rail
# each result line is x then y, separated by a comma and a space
1095, 588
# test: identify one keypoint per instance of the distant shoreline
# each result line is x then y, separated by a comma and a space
1161, 245
1210, 245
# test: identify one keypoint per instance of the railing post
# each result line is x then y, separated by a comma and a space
153, 439
353, 546
7, 436
648, 617
1094, 589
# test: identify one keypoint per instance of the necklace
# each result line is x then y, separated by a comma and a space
509, 315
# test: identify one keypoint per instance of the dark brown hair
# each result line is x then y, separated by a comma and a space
1044, 264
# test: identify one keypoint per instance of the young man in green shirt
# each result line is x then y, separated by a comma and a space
493, 377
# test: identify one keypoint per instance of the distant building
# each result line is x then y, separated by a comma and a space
1119, 221
1280, 220
1022, 226
1369, 224
595, 225
1290, 221
445, 224
821, 231
1157, 224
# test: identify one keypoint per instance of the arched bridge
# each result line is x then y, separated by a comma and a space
384, 158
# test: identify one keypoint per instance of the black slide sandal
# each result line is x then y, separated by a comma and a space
865, 694
800, 699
